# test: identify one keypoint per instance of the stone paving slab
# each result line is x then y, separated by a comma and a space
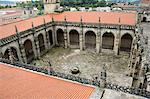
89, 63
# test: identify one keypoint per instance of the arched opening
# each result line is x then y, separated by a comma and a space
29, 50
144, 19
60, 37
126, 43
74, 38
108, 40
50, 37
13, 53
41, 43
90, 40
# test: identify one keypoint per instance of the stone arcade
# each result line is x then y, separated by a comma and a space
112, 31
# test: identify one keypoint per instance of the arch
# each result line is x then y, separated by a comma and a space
60, 37
41, 43
74, 38
50, 37
126, 42
29, 50
108, 40
90, 39
13, 53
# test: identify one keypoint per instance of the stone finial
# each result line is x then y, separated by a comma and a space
32, 25
119, 20
81, 19
99, 19
52, 19
44, 21
65, 19
16, 29
17, 32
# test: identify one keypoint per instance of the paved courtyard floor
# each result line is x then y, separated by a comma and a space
89, 63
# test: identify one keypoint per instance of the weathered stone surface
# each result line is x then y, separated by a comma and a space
111, 94
90, 64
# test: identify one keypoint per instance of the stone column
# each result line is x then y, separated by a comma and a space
10, 55
47, 40
68, 40
84, 47
117, 39
23, 54
46, 36
65, 38
37, 47
81, 40
81, 35
98, 43
54, 34
148, 81
21, 47
99, 38
116, 44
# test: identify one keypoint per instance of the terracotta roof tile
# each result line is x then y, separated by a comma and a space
89, 17
19, 84
145, 1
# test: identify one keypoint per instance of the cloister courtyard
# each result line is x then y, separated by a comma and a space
89, 63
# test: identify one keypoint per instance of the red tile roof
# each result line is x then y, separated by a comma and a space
89, 17
19, 84
145, 1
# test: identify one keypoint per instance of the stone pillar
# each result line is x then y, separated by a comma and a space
65, 38
47, 44
47, 40
81, 35
148, 81
37, 47
10, 55
117, 39
68, 40
23, 54
21, 47
99, 38
35, 39
98, 43
84, 47
81, 41
116, 44
54, 34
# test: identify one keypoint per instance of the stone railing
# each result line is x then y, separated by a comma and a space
53, 73
134, 91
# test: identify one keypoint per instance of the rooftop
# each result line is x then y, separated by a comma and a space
21, 84
88, 17
145, 1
